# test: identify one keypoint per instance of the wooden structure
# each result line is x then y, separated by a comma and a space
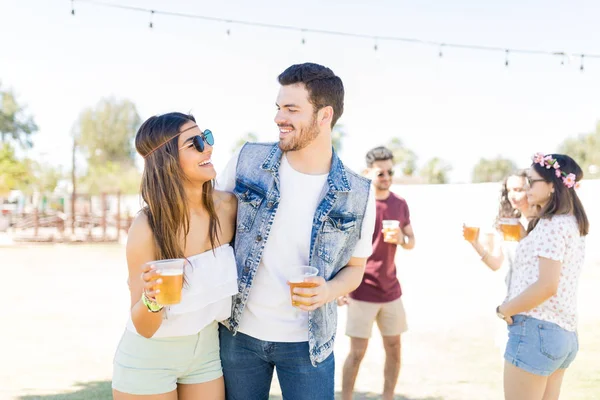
85, 224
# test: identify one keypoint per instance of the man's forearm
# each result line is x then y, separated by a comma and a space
348, 279
408, 242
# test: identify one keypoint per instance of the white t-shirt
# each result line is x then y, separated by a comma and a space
269, 314
557, 239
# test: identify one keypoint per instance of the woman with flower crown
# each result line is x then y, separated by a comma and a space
541, 306
495, 252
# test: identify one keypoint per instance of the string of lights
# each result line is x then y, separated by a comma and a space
441, 46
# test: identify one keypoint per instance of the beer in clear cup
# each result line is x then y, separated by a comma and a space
171, 273
296, 276
511, 229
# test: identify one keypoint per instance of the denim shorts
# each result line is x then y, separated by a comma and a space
145, 366
539, 347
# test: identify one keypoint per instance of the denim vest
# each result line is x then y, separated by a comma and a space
336, 230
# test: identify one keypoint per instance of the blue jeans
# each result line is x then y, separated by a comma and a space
540, 347
248, 365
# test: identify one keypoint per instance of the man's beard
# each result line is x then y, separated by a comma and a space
382, 187
302, 138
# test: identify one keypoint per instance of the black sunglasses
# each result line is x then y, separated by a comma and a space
390, 172
198, 141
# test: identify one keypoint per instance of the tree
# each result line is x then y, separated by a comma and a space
248, 137
14, 173
493, 170
46, 177
338, 134
585, 149
404, 158
15, 124
110, 177
436, 171
105, 135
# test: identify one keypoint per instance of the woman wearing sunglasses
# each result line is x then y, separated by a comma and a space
172, 352
541, 307
496, 253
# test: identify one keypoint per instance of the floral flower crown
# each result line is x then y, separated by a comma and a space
569, 180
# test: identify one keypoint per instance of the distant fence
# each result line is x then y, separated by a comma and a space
97, 219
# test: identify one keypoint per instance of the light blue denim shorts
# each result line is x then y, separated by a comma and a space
156, 365
539, 347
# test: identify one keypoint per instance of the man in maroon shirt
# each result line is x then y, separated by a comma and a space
378, 298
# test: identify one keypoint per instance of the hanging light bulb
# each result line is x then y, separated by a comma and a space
72, 7
303, 34
506, 57
441, 51
376, 45
564, 57
151, 25
581, 66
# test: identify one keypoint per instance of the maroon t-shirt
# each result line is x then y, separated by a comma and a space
380, 283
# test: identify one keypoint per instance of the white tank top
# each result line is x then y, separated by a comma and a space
211, 280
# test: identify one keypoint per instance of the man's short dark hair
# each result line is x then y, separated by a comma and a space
323, 86
380, 153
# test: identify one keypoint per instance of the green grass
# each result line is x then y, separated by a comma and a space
98, 390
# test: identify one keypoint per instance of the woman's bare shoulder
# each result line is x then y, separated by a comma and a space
140, 232
225, 202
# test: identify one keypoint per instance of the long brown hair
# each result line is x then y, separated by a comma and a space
162, 186
505, 209
564, 200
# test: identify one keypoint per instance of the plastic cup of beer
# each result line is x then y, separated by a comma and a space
171, 273
388, 226
296, 276
511, 229
471, 232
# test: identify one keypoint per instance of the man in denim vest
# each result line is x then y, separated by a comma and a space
297, 205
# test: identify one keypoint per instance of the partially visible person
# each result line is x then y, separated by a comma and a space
172, 352
493, 250
378, 298
541, 307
